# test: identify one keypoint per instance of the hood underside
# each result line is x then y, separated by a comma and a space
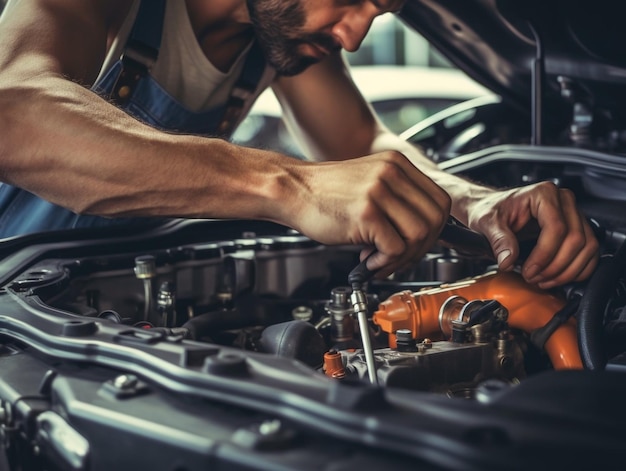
497, 42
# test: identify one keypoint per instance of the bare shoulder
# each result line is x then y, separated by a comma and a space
68, 37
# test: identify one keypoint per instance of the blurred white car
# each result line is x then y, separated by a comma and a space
401, 95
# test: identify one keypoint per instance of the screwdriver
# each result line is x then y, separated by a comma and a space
454, 234
357, 278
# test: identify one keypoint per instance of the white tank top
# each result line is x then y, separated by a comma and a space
182, 69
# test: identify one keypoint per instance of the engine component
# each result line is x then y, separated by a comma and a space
145, 270
57, 438
340, 312
302, 313
428, 313
481, 348
446, 367
333, 365
166, 304
405, 342
294, 339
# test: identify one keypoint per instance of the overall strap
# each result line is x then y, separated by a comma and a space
244, 88
142, 49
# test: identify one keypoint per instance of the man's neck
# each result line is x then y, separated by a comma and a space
223, 29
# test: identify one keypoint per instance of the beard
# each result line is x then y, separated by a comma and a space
278, 28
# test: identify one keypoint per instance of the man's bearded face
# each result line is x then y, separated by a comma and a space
278, 26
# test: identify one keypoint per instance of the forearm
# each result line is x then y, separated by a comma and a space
462, 192
65, 144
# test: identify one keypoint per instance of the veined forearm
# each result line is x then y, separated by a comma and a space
72, 148
462, 192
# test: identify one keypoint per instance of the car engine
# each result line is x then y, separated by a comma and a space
450, 324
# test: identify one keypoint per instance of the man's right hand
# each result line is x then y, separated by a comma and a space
381, 201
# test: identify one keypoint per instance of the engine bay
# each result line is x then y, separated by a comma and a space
450, 324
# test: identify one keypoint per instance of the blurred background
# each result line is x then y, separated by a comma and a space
390, 42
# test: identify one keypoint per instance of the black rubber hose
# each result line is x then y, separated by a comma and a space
204, 325
600, 288
540, 336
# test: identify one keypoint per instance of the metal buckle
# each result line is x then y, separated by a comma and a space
132, 72
136, 62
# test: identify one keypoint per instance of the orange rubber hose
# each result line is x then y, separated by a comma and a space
529, 309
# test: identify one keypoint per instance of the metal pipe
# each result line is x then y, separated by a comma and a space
359, 303
145, 269
357, 277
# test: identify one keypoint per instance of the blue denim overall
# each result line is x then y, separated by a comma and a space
129, 84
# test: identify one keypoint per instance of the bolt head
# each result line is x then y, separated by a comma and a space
270, 427
125, 382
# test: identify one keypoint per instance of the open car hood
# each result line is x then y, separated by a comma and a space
498, 42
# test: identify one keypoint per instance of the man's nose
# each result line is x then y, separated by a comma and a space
353, 26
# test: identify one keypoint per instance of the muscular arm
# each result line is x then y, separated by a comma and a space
327, 114
64, 143
331, 120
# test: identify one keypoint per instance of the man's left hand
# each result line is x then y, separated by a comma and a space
566, 248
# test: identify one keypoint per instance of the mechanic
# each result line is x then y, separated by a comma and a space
71, 156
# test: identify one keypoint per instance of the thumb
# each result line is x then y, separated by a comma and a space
504, 245
376, 262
